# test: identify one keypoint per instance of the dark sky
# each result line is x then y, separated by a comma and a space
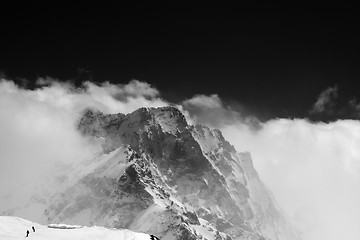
272, 64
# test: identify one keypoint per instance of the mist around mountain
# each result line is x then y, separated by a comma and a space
312, 168
159, 175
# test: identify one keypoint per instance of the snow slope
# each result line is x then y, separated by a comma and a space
161, 176
13, 228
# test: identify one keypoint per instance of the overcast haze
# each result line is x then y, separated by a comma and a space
282, 86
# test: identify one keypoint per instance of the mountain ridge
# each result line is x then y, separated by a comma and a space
160, 175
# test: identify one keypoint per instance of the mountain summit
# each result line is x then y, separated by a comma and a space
159, 175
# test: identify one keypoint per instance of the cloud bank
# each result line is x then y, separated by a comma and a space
212, 111
313, 169
38, 128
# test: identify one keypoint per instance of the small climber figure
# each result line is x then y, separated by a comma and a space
27, 233
152, 237
33, 228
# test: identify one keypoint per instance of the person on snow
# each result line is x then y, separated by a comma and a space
33, 228
152, 237
27, 233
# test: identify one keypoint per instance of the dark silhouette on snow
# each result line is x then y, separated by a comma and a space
33, 228
152, 237
27, 233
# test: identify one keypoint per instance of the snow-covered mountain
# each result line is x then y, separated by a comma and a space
161, 176
13, 228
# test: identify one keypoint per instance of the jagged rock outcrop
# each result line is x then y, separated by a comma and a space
161, 176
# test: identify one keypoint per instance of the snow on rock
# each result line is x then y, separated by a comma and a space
13, 228
161, 176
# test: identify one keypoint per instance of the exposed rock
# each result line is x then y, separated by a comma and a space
161, 176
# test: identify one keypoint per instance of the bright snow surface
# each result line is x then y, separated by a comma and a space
12, 228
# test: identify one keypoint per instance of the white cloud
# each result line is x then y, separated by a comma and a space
203, 101
107, 97
38, 128
208, 110
313, 169
212, 111
325, 101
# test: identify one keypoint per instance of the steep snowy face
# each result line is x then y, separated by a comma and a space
260, 212
161, 133
199, 168
161, 176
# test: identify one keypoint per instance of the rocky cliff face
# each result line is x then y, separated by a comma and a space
161, 176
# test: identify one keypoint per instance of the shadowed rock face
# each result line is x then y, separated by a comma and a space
173, 177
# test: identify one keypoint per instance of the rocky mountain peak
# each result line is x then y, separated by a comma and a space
161, 176
198, 165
